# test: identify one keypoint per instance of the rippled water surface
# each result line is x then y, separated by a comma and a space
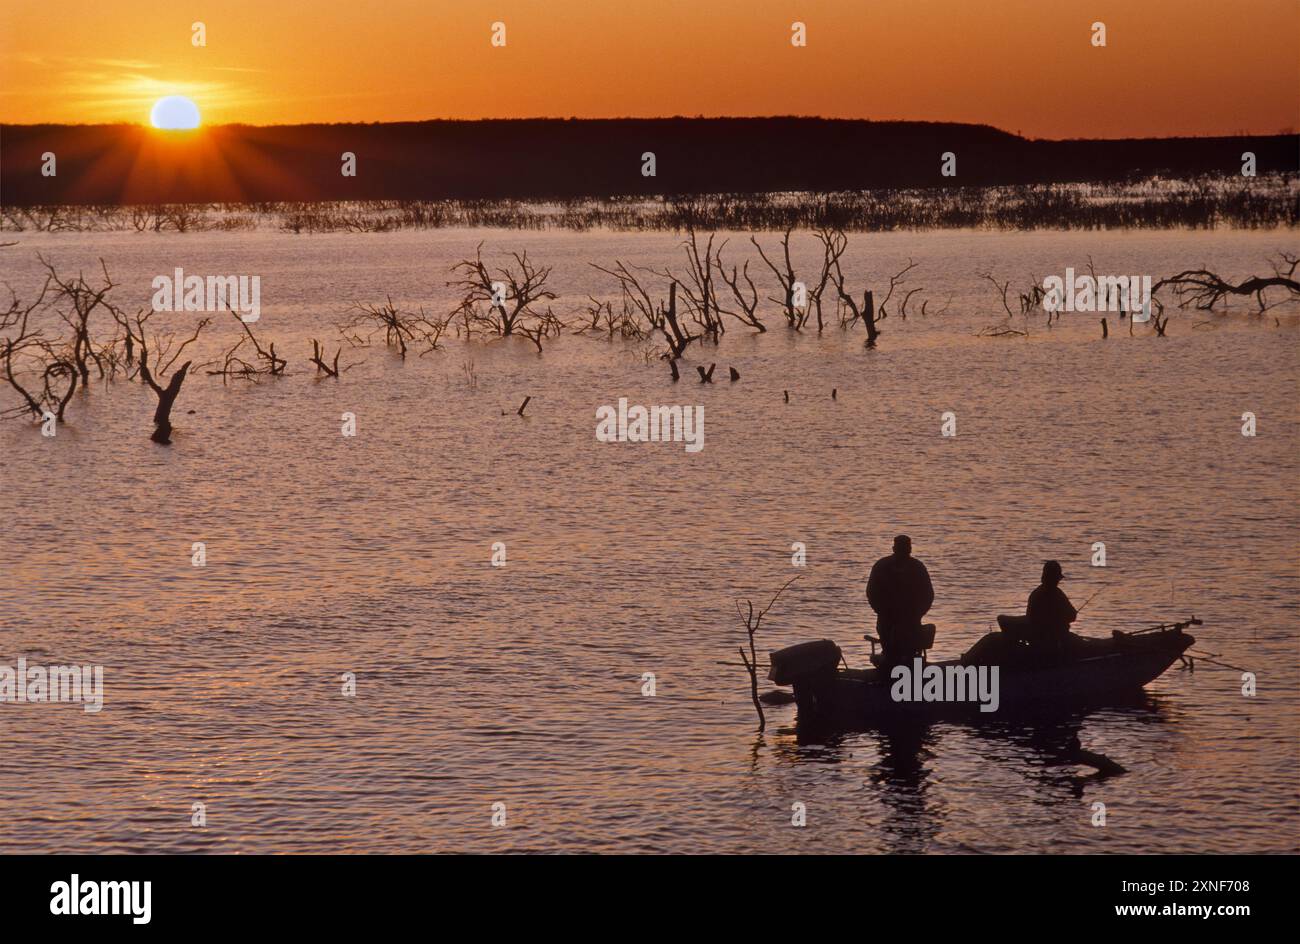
523, 684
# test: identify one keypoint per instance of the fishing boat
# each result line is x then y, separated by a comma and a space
996, 677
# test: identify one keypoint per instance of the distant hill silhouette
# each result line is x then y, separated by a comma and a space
559, 158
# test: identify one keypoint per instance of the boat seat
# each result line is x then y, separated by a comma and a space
1017, 627
926, 641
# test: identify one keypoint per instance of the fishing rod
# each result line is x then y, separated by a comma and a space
1090, 599
1190, 656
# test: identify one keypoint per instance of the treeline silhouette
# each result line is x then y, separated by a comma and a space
575, 158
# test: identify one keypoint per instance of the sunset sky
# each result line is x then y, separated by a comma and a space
1170, 66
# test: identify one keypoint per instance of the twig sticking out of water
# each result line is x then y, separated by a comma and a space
1000, 331
471, 373
1002, 287
752, 622
317, 358
266, 361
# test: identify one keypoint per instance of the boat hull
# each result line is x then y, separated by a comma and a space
1097, 672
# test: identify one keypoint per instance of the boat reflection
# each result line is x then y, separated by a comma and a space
1051, 750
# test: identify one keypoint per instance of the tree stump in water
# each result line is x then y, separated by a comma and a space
166, 399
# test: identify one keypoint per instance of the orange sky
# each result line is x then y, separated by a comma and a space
1170, 66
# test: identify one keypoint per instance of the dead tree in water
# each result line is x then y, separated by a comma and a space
68, 360
84, 300
318, 358
1002, 287
596, 312
510, 296
677, 339
785, 275
1204, 289
1028, 300
662, 318
699, 287
28, 355
162, 416
1033, 298
234, 366
602, 318
895, 280
546, 325
834, 243
752, 621
166, 395
866, 312
1159, 320
23, 352
748, 302
386, 318
704, 298
60, 368
399, 327
157, 355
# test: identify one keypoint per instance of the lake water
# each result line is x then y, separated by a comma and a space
522, 685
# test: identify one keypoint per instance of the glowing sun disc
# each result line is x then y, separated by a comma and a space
174, 113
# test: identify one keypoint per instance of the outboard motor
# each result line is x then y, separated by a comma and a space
807, 660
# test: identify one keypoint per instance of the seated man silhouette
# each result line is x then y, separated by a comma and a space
1044, 630
1050, 611
900, 592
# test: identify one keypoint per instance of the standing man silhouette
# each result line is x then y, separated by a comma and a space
900, 592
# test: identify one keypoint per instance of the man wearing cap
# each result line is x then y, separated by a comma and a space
900, 592
1050, 612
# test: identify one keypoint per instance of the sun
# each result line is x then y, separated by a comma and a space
174, 113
